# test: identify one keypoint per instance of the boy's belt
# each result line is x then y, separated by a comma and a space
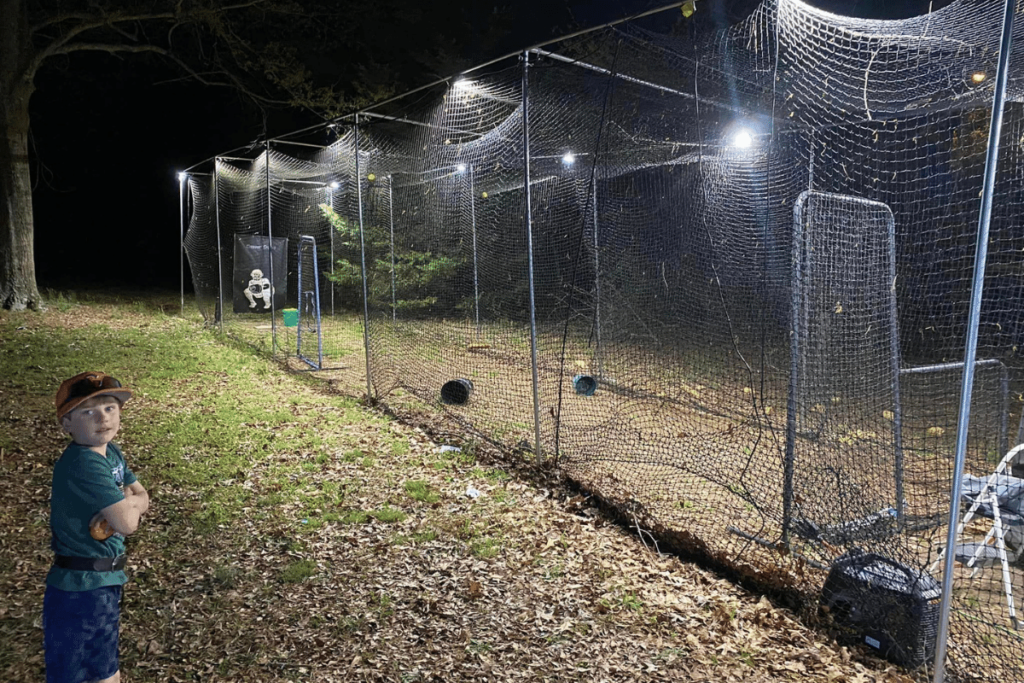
93, 564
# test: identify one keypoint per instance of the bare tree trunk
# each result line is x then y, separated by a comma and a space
18, 287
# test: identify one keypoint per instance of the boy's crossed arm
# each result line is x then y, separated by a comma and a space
123, 516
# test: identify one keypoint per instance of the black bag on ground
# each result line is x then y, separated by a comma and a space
884, 604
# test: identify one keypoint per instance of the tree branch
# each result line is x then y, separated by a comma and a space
60, 18
124, 32
231, 81
109, 47
56, 47
241, 5
92, 21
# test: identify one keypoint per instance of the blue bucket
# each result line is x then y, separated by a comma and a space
585, 385
456, 392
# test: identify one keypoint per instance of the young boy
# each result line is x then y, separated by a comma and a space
95, 502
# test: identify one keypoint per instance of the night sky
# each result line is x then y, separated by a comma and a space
109, 135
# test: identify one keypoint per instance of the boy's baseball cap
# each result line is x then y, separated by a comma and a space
86, 385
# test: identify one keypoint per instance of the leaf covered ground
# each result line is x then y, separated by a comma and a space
297, 535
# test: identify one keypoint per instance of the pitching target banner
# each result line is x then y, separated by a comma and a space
252, 289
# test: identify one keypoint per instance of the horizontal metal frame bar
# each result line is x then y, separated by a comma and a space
300, 144
638, 81
957, 365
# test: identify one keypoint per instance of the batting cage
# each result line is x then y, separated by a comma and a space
721, 279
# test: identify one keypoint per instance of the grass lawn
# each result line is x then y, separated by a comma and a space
296, 535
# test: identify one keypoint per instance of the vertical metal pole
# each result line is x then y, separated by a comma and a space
810, 165
391, 219
270, 257
181, 208
529, 255
597, 289
1004, 416
977, 287
794, 367
476, 272
319, 323
362, 255
298, 328
219, 314
895, 362
314, 304
811, 200
330, 227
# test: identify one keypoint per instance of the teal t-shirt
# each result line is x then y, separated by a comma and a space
85, 482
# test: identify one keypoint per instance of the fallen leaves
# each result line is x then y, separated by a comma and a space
520, 583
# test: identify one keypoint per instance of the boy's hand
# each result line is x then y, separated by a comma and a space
99, 528
137, 496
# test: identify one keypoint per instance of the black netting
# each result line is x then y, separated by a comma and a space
720, 279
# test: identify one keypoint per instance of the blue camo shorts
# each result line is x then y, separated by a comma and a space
80, 634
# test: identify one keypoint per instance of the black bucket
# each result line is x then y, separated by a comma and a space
584, 384
456, 392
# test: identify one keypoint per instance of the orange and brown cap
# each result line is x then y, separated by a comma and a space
88, 385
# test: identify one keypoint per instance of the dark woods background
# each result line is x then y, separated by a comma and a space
110, 134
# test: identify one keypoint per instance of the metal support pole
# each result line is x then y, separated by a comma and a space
977, 288
476, 272
270, 257
181, 208
330, 228
219, 314
1004, 414
529, 255
315, 279
319, 319
810, 164
362, 255
597, 290
895, 363
391, 219
796, 312
646, 84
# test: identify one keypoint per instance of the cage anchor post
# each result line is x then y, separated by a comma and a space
218, 315
330, 231
307, 244
974, 318
181, 240
270, 240
476, 272
362, 256
391, 221
598, 366
529, 255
